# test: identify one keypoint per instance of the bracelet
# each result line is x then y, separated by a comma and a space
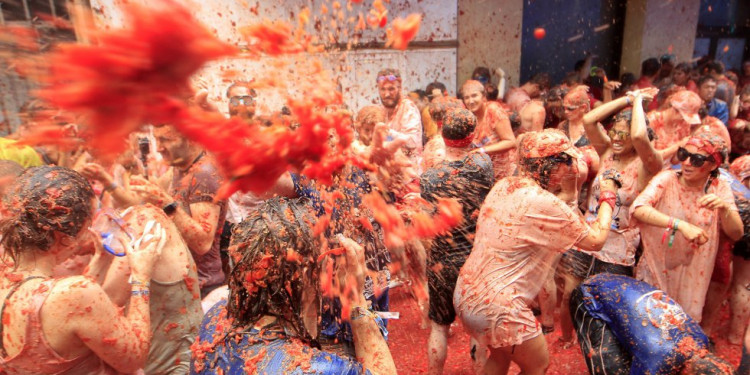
358, 312
111, 187
608, 197
674, 230
133, 281
667, 230
144, 293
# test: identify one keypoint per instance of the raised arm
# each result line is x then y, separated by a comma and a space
734, 109
594, 132
121, 195
501, 83
369, 344
121, 341
198, 227
652, 161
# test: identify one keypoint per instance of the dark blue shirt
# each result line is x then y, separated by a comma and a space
237, 353
719, 109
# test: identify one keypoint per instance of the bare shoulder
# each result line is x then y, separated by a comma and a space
74, 292
535, 106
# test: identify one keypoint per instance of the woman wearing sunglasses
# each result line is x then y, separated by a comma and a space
626, 149
679, 215
522, 228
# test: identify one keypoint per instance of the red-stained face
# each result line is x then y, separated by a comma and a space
241, 102
172, 146
619, 135
573, 111
364, 132
696, 174
390, 93
473, 99
564, 174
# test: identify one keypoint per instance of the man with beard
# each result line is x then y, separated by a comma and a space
402, 116
189, 201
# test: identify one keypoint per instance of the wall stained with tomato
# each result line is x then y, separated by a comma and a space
432, 55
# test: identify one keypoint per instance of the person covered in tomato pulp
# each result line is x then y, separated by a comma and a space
523, 227
269, 324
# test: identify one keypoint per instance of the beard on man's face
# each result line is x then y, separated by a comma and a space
390, 102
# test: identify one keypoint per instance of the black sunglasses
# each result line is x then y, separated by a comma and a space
562, 158
696, 160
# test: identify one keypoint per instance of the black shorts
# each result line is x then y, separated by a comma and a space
441, 282
583, 265
604, 355
741, 249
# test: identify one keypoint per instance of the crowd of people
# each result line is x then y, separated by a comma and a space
619, 206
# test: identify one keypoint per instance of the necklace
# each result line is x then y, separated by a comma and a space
197, 158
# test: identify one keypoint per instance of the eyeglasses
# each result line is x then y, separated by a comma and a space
242, 100
570, 108
390, 78
619, 134
696, 160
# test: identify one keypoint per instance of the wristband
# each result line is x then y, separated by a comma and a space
674, 230
358, 312
133, 281
667, 230
481, 149
170, 209
111, 187
144, 293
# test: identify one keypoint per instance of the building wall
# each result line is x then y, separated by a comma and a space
489, 34
657, 27
431, 57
